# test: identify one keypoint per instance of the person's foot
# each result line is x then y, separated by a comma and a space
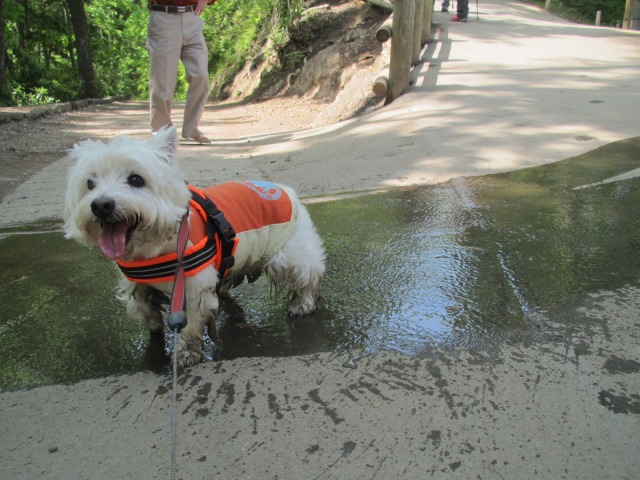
444, 9
154, 132
458, 18
198, 137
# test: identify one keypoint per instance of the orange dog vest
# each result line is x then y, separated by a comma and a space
225, 220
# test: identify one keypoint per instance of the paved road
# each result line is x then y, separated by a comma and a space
518, 88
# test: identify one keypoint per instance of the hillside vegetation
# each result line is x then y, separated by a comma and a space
63, 50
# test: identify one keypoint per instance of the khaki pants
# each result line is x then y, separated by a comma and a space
172, 37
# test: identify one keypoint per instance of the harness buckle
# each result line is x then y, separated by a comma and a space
223, 227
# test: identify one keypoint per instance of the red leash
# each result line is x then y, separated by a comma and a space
177, 318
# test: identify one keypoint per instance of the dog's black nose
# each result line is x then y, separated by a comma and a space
103, 207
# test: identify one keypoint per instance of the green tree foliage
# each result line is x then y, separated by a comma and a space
119, 37
612, 10
41, 61
584, 11
234, 27
41, 57
241, 30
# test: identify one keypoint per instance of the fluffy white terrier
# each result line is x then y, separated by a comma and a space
128, 197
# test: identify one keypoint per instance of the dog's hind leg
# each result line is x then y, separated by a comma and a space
299, 266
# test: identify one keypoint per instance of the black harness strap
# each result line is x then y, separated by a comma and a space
166, 269
223, 229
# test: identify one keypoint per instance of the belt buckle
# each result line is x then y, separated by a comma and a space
181, 9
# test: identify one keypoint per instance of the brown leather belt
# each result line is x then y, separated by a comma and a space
172, 8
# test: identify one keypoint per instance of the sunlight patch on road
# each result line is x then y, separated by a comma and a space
624, 176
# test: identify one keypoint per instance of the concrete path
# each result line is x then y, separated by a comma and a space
518, 88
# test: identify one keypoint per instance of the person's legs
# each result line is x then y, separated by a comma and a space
195, 58
463, 9
163, 44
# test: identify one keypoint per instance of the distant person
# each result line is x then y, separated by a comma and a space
175, 34
445, 6
463, 11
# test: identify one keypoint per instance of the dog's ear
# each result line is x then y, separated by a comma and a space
166, 139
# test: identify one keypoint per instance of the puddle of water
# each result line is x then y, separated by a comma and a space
460, 262
60, 321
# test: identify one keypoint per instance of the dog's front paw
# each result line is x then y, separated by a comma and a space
189, 351
300, 307
188, 358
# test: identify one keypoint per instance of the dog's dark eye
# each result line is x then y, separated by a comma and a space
91, 184
136, 181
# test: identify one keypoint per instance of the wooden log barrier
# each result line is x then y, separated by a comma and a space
427, 17
401, 48
385, 32
417, 32
409, 29
380, 86
382, 4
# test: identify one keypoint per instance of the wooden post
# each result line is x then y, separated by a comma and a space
417, 32
628, 13
427, 16
401, 48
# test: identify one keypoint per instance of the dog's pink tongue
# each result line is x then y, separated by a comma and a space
113, 239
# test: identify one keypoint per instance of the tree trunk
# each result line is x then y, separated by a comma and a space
69, 34
4, 87
83, 48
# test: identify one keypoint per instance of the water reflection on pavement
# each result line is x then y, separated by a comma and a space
467, 262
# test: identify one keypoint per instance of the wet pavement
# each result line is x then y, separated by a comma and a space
464, 264
478, 327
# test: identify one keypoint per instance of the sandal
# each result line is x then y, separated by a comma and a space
198, 137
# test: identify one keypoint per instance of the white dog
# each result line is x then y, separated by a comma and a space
129, 197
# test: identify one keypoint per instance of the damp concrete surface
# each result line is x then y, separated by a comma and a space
483, 326
466, 264
485, 323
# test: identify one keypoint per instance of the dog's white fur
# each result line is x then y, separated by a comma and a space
104, 171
